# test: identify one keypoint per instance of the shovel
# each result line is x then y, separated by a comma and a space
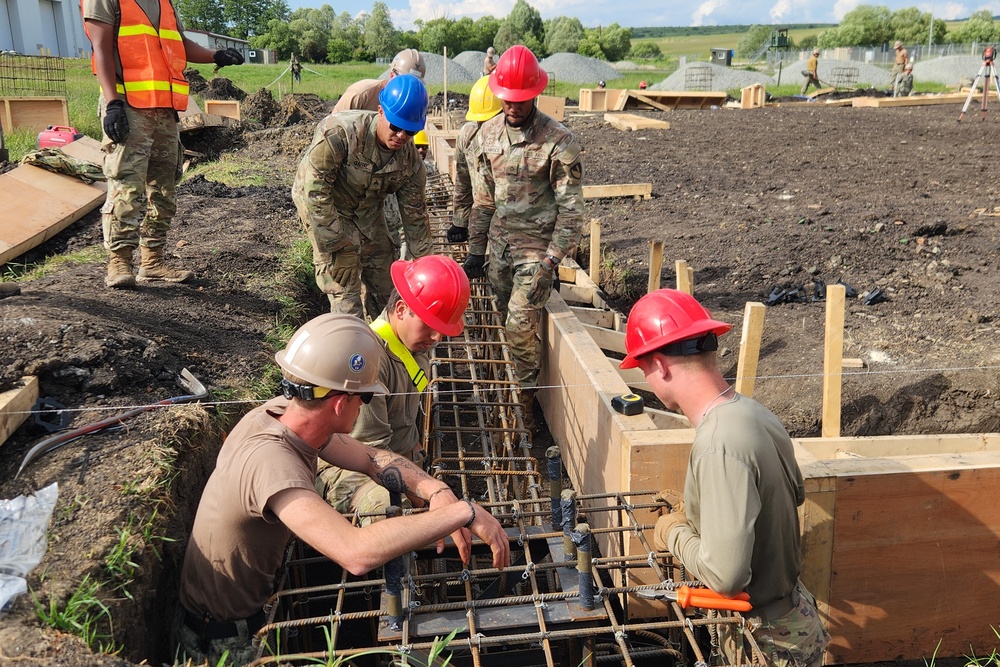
186, 380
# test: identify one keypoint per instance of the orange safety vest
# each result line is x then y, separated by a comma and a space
152, 59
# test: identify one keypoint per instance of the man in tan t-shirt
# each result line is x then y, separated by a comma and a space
363, 95
261, 493
899, 64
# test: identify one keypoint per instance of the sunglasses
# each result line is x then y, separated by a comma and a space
366, 397
397, 130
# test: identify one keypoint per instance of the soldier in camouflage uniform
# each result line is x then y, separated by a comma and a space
737, 527
472, 174
428, 302
357, 158
534, 210
139, 57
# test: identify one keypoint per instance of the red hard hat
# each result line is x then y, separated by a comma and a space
436, 288
663, 317
642, 85
518, 77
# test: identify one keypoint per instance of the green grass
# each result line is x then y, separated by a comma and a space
233, 170
83, 614
17, 272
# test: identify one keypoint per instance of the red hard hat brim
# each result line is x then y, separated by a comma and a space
398, 272
519, 94
696, 330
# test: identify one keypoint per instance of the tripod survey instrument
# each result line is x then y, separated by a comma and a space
986, 74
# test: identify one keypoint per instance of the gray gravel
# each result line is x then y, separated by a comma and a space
435, 71
472, 61
949, 70
868, 74
722, 78
625, 66
574, 68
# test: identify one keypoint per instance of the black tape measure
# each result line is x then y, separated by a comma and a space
628, 404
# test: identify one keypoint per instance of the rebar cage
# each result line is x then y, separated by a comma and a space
32, 76
556, 604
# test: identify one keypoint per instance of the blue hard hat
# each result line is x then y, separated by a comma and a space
404, 102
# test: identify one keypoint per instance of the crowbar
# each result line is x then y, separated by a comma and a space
186, 380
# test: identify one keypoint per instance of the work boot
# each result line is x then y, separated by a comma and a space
9, 289
528, 408
154, 268
120, 270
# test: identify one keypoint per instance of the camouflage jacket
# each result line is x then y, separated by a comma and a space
339, 183
535, 200
471, 175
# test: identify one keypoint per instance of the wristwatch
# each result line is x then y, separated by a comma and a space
551, 261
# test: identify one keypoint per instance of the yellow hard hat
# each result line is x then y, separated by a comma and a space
420, 139
482, 103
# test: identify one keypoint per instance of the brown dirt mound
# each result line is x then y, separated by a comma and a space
296, 109
260, 108
221, 88
212, 142
196, 81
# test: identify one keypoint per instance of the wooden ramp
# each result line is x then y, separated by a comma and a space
38, 204
662, 100
914, 100
631, 122
899, 533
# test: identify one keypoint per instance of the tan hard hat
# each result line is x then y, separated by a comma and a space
815, 52
897, 45
490, 51
409, 61
336, 351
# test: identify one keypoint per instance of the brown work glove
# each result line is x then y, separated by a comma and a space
669, 501
663, 526
346, 269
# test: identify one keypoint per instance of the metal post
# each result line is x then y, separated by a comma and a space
394, 571
554, 466
583, 565
568, 503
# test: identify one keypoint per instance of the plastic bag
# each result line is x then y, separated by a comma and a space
24, 522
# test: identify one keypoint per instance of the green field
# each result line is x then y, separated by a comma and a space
699, 47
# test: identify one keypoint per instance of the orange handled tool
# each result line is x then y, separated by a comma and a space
704, 598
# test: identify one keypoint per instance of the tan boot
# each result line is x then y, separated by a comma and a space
120, 270
528, 408
9, 289
154, 268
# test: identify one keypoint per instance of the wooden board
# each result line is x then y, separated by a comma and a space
38, 204
33, 113
227, 108
553, 107
915, 100
673, 100
820, 92
644, 190
15, 406
631, 122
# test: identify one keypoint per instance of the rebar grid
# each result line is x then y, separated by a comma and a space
555, 605
32, 76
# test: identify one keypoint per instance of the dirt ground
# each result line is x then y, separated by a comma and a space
894, 199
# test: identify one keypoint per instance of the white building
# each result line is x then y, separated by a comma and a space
43, 27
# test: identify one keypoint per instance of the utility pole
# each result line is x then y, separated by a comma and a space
930, 36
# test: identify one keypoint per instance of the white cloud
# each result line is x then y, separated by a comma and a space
703, 14
842, 7
780, 10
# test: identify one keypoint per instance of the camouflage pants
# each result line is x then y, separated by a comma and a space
796, 639
142, 177
394, 224
188, 645
522, 291
376, 256
348, 491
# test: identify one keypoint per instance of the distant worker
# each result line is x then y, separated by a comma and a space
427, 304
905, 86
811, 72
601, 85
139, 59
737, 527
364, 94
899, 64
642, 85
535, 203
355, 160
296, 69
471, 168
262, 493
489, 62
423, 145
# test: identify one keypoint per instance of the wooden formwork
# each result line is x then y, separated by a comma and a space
34, 113
900, 534
442, 148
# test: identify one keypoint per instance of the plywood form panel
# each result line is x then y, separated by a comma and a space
34, 113
15, 406
915, 560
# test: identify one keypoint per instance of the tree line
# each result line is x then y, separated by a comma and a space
322, 35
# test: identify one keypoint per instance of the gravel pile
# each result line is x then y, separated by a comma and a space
435, 71
574, 68
625, 66
722, 78
472, 61
868, 74
949, 70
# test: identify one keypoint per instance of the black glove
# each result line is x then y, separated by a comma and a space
458, 234
115, 121
474, 266
225, 57
555, 281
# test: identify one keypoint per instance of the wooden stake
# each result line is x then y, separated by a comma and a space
445, 76
833, 355
753, 329
595, 251
691, 279
683, 277
655, 265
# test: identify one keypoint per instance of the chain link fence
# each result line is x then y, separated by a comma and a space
32, 76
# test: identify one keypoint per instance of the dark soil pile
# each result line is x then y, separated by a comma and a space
221, 88
211, 142
260, 108
196, 82
301, 108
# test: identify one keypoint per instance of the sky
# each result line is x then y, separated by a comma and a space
653, 12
